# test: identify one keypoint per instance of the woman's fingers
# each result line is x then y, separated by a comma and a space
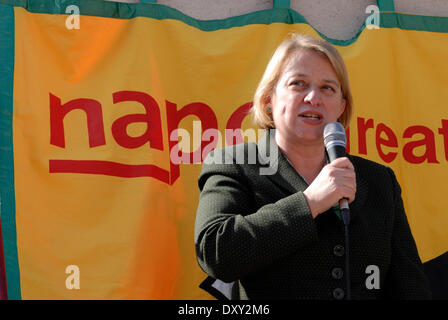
343, 162
336, 180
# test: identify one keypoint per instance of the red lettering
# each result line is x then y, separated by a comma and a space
384, 135
174, 117
362, 129
428, 141
234, 123
444, 132
91, 107
391, 141
109, 168
153, 133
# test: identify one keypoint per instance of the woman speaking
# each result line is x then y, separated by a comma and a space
280, 235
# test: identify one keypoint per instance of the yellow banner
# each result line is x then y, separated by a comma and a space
94, 108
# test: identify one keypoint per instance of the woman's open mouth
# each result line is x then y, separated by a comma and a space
311, 117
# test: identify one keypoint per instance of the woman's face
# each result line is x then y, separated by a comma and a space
307, 97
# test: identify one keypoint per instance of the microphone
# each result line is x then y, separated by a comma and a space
335, 144
335, 140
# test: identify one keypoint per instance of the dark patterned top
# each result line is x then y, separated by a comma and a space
257, 229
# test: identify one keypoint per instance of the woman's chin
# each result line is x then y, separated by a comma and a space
309, 138
310, 134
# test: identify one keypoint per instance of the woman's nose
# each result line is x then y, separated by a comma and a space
313, 97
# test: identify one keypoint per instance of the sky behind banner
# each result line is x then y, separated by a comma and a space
90, 105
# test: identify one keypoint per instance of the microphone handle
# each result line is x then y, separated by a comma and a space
336, 152
345, 211
343, 204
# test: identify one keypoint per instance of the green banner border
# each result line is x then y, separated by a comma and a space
388, 19
118, 10
8, 205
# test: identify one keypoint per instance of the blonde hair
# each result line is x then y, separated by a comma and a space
274, 69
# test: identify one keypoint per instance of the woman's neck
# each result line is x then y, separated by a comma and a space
307, 160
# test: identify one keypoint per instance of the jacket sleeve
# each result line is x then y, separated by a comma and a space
406, 278
234, 239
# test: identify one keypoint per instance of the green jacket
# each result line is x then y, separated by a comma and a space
257, 230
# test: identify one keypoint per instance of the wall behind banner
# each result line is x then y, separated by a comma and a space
337, 19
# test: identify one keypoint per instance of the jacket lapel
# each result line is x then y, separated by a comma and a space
281, 173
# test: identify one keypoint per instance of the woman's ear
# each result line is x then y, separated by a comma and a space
267, 100
267, 104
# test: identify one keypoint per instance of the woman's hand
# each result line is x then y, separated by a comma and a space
335, 181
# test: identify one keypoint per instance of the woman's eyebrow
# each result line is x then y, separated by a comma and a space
334, 82
331, 81
298, 75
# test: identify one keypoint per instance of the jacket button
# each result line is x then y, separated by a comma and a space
337, 273
339, 250
338, 294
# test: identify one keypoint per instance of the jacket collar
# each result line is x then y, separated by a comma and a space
281, 172
286, 177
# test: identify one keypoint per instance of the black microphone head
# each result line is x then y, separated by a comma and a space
335, 140
334, 133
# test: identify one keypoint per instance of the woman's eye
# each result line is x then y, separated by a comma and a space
299, 83
328, 88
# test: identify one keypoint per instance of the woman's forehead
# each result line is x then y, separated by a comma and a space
308, 63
